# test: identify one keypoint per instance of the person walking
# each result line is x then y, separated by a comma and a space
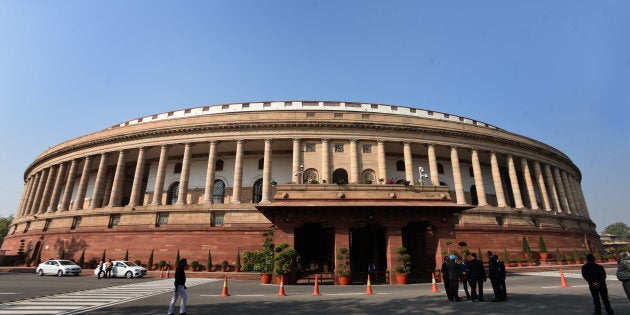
180, 289
108, 268
595, 275
452, 268
623, 273
477, 275
100, 269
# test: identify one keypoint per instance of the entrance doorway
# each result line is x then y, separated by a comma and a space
367, 245
414, 238
315, 245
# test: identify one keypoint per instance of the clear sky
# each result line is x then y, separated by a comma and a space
554, 71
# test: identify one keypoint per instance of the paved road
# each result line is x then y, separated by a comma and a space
532, 293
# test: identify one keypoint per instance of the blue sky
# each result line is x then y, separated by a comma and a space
554, 71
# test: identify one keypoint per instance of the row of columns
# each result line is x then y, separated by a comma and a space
43, 190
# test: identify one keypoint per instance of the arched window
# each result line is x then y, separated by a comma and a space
257, 191
218, 165
178, 168
473, 195
340, 176
440, 168
310, 176
261, 164
400, 166
173, 193
368, 176
218, 193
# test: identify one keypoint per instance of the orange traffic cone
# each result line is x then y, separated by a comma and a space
563, 281
225, 288
368, 290
281, 291
316, 287
434, 287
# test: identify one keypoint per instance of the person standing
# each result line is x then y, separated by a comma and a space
100, 269
372, 271
108, 268
500, 266
180, 289
477, 275
446, 279
497, 277
623, 273
463, 274
452, 268
595, 275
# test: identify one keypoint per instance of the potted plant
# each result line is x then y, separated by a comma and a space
506, 257
150, 261
526, 250
519, 262
285, 261
343, 264
576, 257
403, 270
558, 257
543, 249
237, 264
161, 264
81, 262
224, 265
267, 257
209, 262
194, 265
137, 262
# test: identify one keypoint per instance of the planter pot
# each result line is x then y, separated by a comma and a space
519, 264
237, 269
208, 269
544, 256
265, 278
401, 278
223, 269
344, 280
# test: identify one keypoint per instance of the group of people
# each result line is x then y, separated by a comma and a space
471, 272
595, 276
105, 269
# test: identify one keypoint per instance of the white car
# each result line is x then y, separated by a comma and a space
59, 267
123, 268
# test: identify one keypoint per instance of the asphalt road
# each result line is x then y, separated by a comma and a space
534, 293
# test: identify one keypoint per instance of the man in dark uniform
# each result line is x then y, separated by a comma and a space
180, 289
452, 269
595, 275
477, 275
497, 277
446, 279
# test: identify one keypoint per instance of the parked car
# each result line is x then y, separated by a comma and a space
59, 267
123, 268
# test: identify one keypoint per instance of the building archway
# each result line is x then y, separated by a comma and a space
173, 193
367, 245
340, 176
315, 245
418, 245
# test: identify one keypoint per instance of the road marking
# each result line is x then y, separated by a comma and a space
572, 286
555, 274
88, 300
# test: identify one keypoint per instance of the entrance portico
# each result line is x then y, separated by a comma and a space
372, 221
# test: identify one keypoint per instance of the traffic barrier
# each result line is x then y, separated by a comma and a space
281, 291
434, 287
368, 290
316, 287
563, 281
225, 288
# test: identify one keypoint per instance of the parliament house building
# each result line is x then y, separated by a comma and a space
322, 175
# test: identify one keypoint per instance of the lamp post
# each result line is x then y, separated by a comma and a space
423, 175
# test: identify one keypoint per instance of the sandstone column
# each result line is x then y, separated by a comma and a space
159, 179
119, 181
56, 194
136, 187
210, 173
85, 178
99, 182
433, 168
354, 163
569, 191
481, 192
24, 199
32, 193
496, 179
382, 168
40, 190
529, 184
184, 176
238, 173
552, 187
457, 177
516, 191
408, 162
561, 192
541, 185
67, 193
326, 161
52, 172
295, 167
266, 185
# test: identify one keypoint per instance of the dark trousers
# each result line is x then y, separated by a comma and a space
465, 282
597, 292
453, 287
447, 289
626, 287
502, 288
476, 289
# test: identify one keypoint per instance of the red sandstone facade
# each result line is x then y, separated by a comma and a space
323, 175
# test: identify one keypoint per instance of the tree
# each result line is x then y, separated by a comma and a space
620, 229
5, 223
